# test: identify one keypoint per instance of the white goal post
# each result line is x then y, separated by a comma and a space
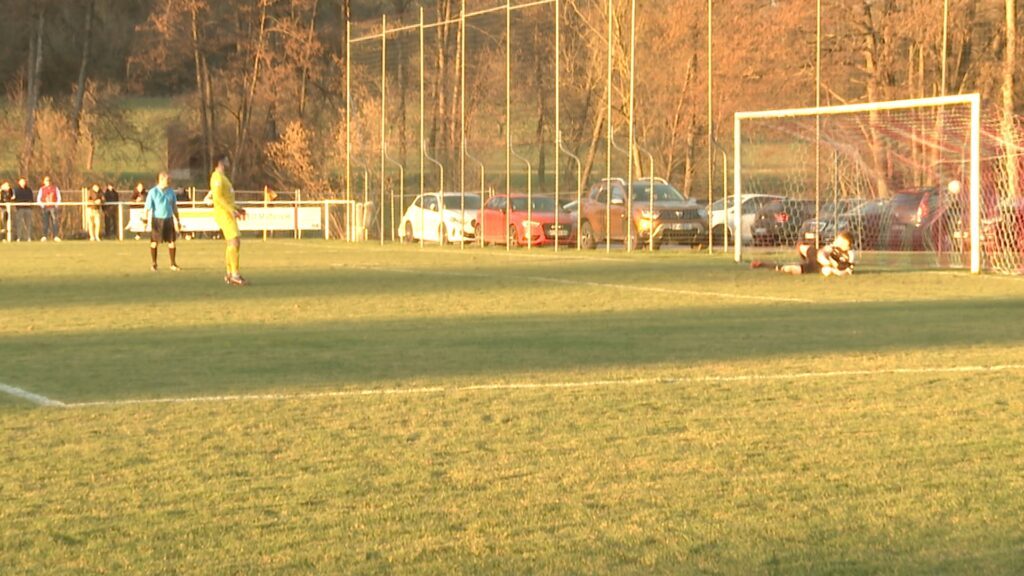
973, 101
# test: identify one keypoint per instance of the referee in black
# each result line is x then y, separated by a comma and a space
162, 205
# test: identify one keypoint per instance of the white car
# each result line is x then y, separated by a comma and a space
750, 204
437, 217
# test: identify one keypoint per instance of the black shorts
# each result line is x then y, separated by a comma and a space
163, 230
810, 267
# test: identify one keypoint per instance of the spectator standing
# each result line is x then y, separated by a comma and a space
139, 195
110, 208
162, 205
23, 212
6, 197
94, 212
49, 199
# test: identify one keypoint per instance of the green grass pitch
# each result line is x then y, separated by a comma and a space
361, 409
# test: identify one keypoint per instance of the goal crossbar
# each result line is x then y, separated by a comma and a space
972, 100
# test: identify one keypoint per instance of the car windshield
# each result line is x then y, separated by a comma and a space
455, 202
662, 192
538, 204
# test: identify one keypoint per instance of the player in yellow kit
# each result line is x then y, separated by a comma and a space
227, 214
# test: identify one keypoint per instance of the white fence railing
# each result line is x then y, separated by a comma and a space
342, 219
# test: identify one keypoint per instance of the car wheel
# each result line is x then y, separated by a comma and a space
717, 234
408, 238
479, 233
587, 238
442, 235
656, 245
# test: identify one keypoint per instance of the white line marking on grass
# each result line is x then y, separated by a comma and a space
550, 385
256, 397
678, 291
749, 377
29, 396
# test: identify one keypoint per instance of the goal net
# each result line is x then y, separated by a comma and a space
918, 183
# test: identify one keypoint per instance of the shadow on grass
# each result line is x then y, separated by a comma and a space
155, 361
345, 279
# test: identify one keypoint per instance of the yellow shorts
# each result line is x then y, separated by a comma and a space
227, 223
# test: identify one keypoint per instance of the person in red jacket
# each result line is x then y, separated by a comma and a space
49, 199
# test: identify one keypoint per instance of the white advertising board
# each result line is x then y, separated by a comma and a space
257, 218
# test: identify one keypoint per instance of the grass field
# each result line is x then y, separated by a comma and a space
361, 409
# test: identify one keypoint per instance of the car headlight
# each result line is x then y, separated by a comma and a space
530, 224
650, 215
702, 214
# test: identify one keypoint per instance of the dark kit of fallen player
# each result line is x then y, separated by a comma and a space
834, 259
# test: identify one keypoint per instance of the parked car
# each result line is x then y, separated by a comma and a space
824, 226
749, 206
659, 214
868, 223
779, 221
915, 216
523, 221
437, 217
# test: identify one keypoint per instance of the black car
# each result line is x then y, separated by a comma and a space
824, 226
778, 222
915, 219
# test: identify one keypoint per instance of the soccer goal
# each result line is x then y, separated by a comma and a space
905, 178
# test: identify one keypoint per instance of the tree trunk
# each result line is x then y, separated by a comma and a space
595, 139
35, 68
439, 124
873, 69
688, 153
201, 93
245, 118
1009, 135
305, 61
76, 114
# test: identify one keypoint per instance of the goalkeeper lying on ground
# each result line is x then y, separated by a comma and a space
835, 259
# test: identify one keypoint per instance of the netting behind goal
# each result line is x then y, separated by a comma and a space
898, 176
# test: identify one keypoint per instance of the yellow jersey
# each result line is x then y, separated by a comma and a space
223, 193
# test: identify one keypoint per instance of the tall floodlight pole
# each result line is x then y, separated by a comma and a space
423, 144
817, 125
945, 44
579, 189
508, 120
558, 112
711, 156
608, 141
383, 118
348, 114
629, 146
462, 122
401, 190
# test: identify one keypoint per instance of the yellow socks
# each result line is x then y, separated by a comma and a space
231, 260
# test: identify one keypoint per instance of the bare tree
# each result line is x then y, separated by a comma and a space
76, 113
35, 67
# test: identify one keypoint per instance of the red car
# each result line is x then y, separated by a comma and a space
537, 221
